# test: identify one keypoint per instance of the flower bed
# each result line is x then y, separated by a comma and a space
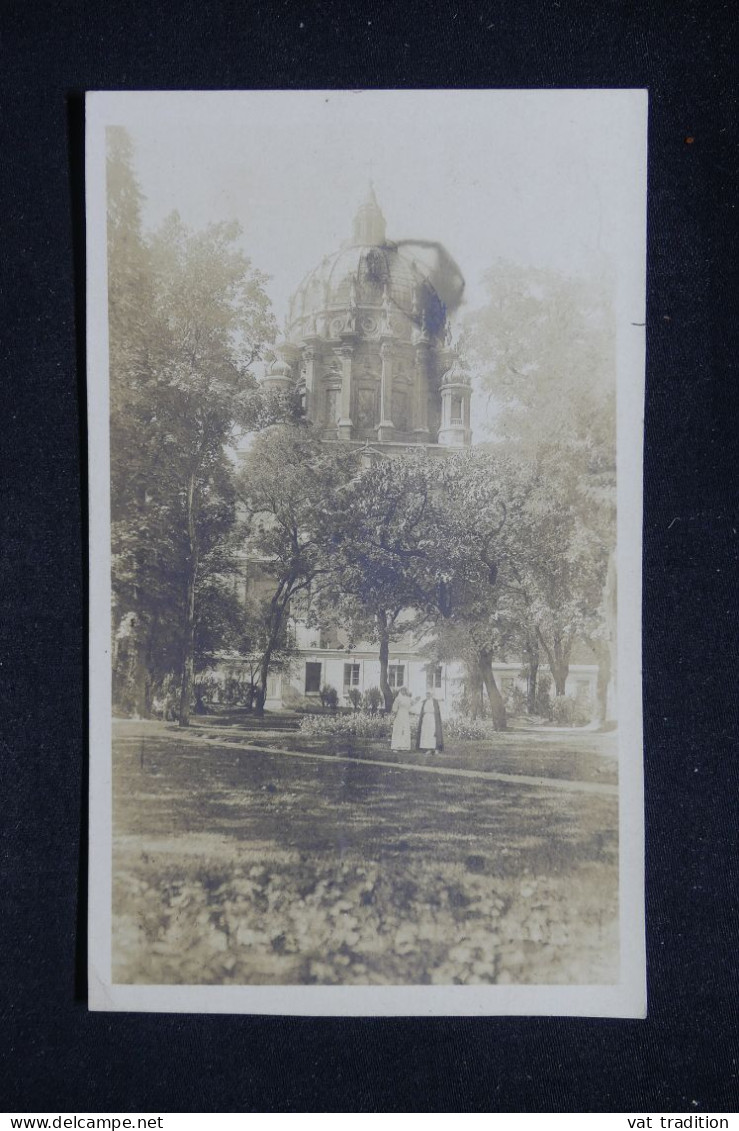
361, 725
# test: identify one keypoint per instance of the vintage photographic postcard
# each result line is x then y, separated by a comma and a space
365, 384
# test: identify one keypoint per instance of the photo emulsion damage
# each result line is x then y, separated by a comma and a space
365, 400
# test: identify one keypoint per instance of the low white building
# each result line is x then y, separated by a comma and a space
358, 669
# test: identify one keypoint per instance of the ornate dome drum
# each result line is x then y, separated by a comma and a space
367, 336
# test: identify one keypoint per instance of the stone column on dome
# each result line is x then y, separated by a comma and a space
386, 429
310, 354
423, 356
346, 354
446, 411
386, 323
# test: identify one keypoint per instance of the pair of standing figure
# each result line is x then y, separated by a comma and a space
428, 734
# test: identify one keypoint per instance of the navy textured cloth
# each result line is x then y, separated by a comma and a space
59, 1057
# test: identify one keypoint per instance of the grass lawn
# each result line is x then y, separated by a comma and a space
254, 867
575, 755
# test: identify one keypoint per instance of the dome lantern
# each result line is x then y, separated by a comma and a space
369, 222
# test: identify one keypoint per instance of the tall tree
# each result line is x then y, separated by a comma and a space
287, 486
543, 349
214, 319
380, 582
415, 549
554, 562
472, 622
142, 533
188, 318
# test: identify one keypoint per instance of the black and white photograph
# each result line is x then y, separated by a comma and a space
365, 403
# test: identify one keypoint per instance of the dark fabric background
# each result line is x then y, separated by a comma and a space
59, 1057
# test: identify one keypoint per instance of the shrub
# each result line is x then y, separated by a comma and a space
543, 700
568, 712
329, 696
515, 700
472, 702
468, 730
372, 699
165, 703
354, 695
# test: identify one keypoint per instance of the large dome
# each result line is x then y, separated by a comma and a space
418, 280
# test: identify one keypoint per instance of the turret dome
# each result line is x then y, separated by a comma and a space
279, 368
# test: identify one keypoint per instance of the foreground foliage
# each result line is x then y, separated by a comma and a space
282, 921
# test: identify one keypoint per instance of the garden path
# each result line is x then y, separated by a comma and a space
197, 737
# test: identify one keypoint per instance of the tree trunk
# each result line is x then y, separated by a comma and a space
384, 635
560, 671
497, 706
188, 649
531, 652
260, 692
129, 669
266, 662
473, 697
278, 608
532, 660
188, 642
559, 675
559, 662
475, 691
531, 686
603, 656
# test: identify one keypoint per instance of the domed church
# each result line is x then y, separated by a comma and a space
368, 347
368, 341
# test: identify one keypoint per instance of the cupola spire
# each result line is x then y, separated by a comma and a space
369, 222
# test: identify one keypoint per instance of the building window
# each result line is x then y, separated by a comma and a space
456, 410
312, 679
396, 675
433, 676
351, 675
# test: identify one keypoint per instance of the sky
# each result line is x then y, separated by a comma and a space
540, 178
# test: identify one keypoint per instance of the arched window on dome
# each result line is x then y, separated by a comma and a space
331, 415
367, 419
400, 409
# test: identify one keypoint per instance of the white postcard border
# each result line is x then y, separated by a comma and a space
627, 998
